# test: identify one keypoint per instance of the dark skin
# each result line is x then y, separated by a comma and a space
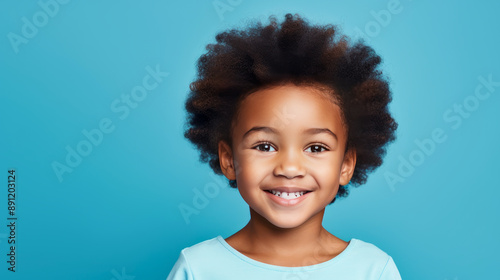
264, 242
284, 155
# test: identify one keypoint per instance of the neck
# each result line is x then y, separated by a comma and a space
265, 237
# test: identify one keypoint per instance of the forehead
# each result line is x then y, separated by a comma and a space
289, 108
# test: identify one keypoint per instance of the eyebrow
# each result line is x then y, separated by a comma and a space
274, 131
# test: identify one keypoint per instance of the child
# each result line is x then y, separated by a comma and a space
291, 114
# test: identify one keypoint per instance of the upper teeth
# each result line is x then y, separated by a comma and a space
286, 195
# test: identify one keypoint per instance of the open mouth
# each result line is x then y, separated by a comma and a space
288, 195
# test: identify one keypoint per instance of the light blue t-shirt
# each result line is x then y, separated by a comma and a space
216, 259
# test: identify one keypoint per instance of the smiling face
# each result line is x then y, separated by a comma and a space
288, 153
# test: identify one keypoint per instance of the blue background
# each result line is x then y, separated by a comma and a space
116, 215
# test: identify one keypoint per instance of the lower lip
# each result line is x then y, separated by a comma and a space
287, 202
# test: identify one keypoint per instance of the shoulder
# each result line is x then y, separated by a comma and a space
207, 247
206, 254
369, 250
374, 259
194, 258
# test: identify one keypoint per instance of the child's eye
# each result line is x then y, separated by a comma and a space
317, 148
266, 146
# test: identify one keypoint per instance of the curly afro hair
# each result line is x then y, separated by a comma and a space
244, 61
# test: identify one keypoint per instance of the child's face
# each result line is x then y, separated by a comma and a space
282, 142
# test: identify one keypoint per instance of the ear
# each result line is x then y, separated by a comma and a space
226, 160
348, 166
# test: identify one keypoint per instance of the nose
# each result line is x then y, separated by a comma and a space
289, 164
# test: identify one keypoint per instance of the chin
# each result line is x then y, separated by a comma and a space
284, 223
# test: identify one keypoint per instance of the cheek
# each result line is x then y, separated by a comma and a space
327, 178
249, 161
250, 172
249, 177
326, 173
